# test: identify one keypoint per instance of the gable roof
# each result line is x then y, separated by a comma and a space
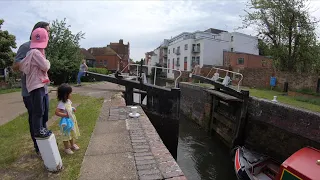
102, 51
86, 54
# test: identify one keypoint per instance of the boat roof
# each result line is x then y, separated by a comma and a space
304, 161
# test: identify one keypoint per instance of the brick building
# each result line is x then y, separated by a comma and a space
239, 60
90, 59
123, 50
105, 58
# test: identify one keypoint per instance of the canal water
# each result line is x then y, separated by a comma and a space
201, 156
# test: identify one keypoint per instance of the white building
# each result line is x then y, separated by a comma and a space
185, 50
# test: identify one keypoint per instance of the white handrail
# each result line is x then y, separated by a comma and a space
229, 72
155, 72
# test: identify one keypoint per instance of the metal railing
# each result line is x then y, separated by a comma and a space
155, 72
219, 69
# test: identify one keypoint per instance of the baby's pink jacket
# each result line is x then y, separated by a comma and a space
35, 66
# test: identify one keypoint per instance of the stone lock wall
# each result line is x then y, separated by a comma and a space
275, 129
279, 130
195, 103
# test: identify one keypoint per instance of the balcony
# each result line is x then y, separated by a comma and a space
196, 49
177, 52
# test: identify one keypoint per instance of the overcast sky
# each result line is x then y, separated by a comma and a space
143, 23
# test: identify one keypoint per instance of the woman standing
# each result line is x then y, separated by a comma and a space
83, 68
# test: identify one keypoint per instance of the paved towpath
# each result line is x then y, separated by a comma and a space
126, 148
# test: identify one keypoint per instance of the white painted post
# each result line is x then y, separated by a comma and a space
155, 75
50, 153
137, 72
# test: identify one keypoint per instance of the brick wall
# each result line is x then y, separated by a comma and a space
249, 60
111, 60
261, 78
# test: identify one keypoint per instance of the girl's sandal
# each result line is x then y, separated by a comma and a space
68, 151
75, 147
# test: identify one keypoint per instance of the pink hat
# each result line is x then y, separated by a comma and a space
39, 38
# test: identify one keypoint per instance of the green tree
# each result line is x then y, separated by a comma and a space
287, 31
7, 42
63, 52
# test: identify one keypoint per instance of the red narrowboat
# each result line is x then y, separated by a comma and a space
302, 165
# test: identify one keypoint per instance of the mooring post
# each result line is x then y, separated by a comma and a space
318, 86
175, 102
129, 95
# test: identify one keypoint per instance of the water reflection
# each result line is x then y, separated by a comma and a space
201, 156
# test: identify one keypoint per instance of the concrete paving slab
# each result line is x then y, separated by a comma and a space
109, 143
115, 167
11, 106
110, 127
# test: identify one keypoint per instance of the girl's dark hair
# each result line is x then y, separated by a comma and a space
40, 24
63, 92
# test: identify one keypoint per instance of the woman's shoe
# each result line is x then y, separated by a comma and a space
43, 134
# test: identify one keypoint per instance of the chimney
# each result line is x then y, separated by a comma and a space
121, 41
91, 50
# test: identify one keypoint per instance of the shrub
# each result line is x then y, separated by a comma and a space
315, 101
308, 91
95, 70
99, 70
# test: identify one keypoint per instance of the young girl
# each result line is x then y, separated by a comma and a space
35, 66
68, 123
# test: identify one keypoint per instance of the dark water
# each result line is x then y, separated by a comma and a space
201, 156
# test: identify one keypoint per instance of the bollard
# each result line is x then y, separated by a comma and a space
285, 87
318, 86
274, 99
50, 153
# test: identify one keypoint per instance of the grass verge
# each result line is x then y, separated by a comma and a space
268, 94
5, 91
16, 148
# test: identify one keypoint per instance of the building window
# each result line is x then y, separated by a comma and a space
178, 62
101, 62
231, 49
173, 50
193, 61
173, 63
105, 62
169, 51
178, 49
240, 61
186, 47
185, 59
198, 60
231, 38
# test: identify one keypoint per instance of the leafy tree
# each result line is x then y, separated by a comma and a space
287, 31
7, 42
63, 52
